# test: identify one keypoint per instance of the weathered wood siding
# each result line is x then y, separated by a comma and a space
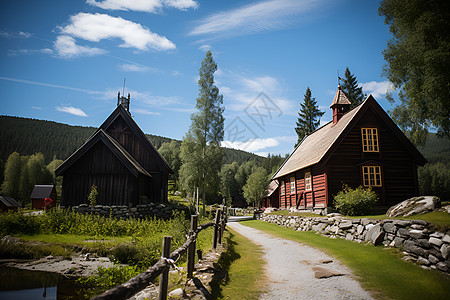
116, 185
145, 155
316, 197
397, 166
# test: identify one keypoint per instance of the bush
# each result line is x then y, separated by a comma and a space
355, 202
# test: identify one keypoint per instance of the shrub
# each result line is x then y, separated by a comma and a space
355, 202
92, 197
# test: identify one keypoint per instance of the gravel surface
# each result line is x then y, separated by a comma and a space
293, 268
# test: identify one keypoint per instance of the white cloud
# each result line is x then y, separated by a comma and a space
96, 27
152, 6
205, 47
377, 89
72, 110
251, 145
145, 112
36, 107
66, 47
256, 17
133, 68
176, 73
240, 90
19, 34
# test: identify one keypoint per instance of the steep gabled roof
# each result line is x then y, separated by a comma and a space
9, 202
42, 191
116, 148
120, 111
322, 142
273, 185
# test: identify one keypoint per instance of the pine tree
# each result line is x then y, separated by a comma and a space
350, 88
201, 154
308, 117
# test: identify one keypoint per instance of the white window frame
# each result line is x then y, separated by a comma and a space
292, 185
308, 181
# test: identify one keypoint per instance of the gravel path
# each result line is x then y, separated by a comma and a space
293, 268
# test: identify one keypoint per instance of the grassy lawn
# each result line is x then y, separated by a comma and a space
245, 266
379, 270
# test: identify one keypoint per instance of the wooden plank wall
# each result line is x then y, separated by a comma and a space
147, 158
116, 185
398, 175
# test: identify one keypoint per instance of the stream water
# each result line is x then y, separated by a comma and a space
23, 284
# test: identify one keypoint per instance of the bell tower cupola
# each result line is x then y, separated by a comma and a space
340, 105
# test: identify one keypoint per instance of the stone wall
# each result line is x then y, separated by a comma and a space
161, 210
417, 238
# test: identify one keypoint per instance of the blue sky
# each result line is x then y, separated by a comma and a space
65, 61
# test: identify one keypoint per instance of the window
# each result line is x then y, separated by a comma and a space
292, 185
371, 175
282, 188
308, 181
369, 139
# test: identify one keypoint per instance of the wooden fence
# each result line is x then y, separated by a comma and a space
141, 281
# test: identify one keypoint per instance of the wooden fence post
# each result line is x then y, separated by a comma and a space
220, 225
216, 228
164, 277
191, 249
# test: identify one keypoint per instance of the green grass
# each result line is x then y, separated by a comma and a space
380, 270
245, 265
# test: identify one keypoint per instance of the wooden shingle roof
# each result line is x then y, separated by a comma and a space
340, 98
9, 202
273, 185
41, 191
116, 148
318, 144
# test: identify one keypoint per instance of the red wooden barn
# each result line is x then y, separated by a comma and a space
362, 146
118, 159
272, 198
42, 192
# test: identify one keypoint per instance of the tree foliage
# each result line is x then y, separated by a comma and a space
228, 183
201, 154
434, 180
256, 186
418, 64
350, 88
308, 117
171, 153
22, 173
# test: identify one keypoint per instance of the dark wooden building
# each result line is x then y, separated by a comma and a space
118, 159
238, 201
8, 203
362, 146
42, 192
272, 198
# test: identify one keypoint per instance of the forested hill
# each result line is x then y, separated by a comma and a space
56, 140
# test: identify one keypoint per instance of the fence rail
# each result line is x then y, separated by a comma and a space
141, 281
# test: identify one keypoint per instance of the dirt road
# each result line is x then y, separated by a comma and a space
297, 271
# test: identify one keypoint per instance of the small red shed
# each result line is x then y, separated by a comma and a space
40, 194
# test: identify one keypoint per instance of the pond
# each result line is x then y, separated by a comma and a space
23, 284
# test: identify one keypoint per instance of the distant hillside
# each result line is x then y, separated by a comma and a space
436, 149
56, 140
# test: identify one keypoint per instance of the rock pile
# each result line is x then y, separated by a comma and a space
161, 210
417, 238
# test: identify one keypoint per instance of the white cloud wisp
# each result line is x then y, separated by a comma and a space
377, 89
251, 145
255, 17
150, 6
72, 110
97, 27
